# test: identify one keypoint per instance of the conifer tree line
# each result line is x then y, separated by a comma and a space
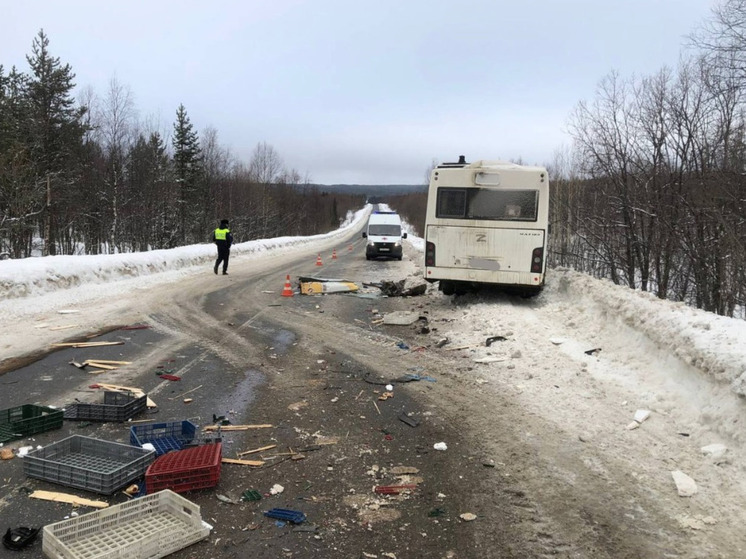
653, 193
85, 176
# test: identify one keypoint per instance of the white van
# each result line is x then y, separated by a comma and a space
384, 235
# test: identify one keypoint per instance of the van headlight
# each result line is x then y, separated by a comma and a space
397, 244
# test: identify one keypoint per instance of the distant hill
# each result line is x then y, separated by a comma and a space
372, 189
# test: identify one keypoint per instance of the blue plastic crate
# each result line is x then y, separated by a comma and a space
165, 437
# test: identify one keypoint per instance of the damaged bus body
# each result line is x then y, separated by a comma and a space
487, 223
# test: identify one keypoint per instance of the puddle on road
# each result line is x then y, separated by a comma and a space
240, 398
282, 340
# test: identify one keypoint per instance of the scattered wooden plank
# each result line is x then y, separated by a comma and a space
67, 498
260, 449
108, 362
236, 427
136, 391
243, 462
185, 393
463, 347
98, 365
63, 327
86, 344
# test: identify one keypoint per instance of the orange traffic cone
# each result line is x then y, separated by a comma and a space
334, 254
318, 260
288, 290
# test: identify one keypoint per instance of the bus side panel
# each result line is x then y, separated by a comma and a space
487, 255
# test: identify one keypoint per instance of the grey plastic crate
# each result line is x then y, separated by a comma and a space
87, 463
145, 528
117, 406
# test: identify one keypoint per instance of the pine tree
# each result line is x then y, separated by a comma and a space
187, 175
18, 206
55, 127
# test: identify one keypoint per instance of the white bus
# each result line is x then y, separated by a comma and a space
486, 223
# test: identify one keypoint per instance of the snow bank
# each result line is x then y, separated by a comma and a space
710, 343
37, 276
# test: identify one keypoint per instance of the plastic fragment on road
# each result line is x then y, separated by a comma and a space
641, 415
251, 495
440, 446
489, 359
287, 515
276, 489
402, 345
400, 318
410, 377
685, 485
488, 341
319, 286
19, 538
467, 516
166, 376
393, 489
411, 421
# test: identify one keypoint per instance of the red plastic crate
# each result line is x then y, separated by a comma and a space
185, 470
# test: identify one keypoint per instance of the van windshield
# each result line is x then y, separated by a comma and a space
384, 230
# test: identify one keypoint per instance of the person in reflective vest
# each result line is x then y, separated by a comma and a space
223, 239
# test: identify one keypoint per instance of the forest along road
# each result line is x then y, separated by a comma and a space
538, 462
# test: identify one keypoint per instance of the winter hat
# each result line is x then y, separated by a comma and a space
223, 223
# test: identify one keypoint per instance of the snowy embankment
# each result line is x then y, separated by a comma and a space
712, 344
39, 276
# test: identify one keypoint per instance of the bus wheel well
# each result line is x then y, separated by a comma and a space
447, 287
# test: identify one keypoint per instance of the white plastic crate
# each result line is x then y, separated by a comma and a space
145, 528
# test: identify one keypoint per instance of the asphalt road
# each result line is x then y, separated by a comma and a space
312, 367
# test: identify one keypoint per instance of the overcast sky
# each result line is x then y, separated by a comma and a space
360, 92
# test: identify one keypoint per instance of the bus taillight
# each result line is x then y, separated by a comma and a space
537, 260
429, 254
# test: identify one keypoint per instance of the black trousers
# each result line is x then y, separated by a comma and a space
224, 254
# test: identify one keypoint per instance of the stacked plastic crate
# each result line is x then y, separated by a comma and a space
87, 463
185, 470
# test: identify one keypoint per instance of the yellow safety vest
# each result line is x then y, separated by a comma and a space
220, 234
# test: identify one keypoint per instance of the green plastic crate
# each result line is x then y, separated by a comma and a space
22, 421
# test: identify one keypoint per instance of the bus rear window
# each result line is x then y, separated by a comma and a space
488, 204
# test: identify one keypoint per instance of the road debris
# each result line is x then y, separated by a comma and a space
256, 463
260, 449
318, 286
85, 344
287, 515
251, 495
488, 342
404, 470
19, 538
685, 485
235, 427
411, 421
276, 489
400, 318
467, 516
393, 489
440, 446
67, 498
